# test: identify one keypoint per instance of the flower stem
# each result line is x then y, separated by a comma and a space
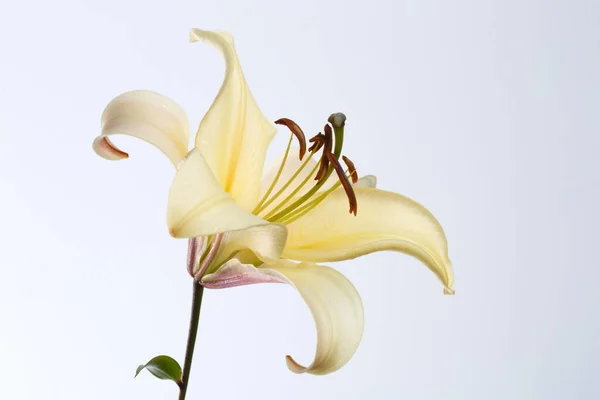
191, 342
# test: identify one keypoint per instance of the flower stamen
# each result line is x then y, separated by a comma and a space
291, 195
351, 168
294, 215
279, 171
322, 174
296, 131
345, 182
317, 142
286, 185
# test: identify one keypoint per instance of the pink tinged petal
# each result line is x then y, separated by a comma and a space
105, 149
195, 248
146, 115
336, 308
234, 135
210, 256
233, 273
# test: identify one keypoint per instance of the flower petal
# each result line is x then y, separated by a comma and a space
149, 116
367, 181
333, 301
385, 221
235, 273
336, 308
265, 241
198, 206
234, 135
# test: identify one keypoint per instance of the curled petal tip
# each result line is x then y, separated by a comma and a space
294, 366
448, 291
196, 34
105, 149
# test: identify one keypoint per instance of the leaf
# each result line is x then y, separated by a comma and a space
162, 367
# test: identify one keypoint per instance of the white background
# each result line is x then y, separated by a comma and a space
485, 112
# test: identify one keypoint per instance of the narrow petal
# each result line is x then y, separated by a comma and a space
234, 135
235, 273
333, 301
336, 308
385, 221
198, 206
148, 116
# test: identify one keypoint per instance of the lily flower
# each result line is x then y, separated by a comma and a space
246, 227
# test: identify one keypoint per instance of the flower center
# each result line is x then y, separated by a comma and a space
306, 196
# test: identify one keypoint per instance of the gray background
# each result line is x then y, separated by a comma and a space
485, 112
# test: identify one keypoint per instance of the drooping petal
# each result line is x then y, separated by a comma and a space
198, 206
149, 116
336, 308
234, 135
385, 221
333, 301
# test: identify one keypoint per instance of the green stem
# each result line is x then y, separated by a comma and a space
191, 342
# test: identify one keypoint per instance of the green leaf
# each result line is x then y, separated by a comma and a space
162, 367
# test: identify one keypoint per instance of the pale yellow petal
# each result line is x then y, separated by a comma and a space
198, 206
148, 116
336, 308
385, 221
234, 135
367, 181
265, 241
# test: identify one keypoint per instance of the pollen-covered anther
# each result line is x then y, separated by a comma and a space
317, 142
345, 182
322, 173
296, 131
351, 169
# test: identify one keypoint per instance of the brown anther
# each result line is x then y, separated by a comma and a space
345, 182
351, 169
322, 173
296, 131
317, 141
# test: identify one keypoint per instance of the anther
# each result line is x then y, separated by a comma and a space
345, 182
322, 174
317, 142
351, 168
296, 131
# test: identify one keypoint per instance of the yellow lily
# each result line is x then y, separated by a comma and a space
246, 228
